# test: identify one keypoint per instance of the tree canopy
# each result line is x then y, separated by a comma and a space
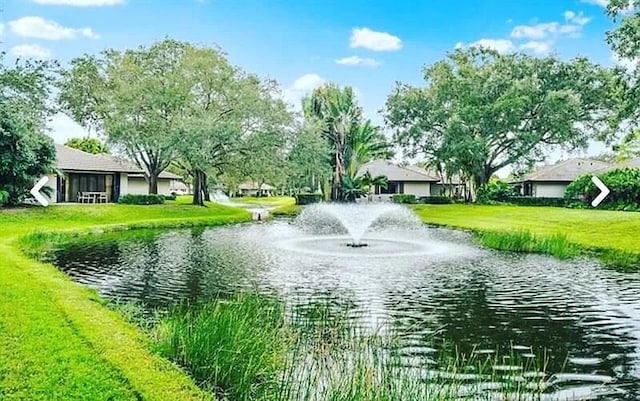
352, 140
481, 111
26, 153
87, 144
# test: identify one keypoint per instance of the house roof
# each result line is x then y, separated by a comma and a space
566, 171
76, 160
631, 163
442, 179
393, 172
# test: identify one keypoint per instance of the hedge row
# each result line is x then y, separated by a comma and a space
306, 199
131, 199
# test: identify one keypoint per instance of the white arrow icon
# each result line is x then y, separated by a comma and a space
35, 191
604, 191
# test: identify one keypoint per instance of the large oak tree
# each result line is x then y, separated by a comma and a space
481, 111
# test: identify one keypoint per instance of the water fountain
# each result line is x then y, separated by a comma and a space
219, 196
355, 219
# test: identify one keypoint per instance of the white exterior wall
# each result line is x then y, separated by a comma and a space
136, 186
53, 184
164, 186
139, 186
124, 184
417, 188
548, 190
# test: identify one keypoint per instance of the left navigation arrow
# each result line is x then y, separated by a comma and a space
35, 191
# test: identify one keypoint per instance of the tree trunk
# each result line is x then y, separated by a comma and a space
153, 183
205, 186
197, 188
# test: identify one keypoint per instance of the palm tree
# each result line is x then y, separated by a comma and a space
352, 141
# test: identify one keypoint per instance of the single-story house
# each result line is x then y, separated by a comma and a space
251, 189
81, 172
402, 180
551, 181
453, 186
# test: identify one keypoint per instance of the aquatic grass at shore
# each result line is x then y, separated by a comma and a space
248, 348
526, 242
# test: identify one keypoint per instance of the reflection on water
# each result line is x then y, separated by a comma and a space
425, 283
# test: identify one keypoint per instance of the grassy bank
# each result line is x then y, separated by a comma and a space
611, 236
265, 200
56, 338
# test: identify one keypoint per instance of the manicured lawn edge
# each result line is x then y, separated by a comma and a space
515, 237
115, 342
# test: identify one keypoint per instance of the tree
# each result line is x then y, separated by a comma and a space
629, 147
352, 140
26, 153
625, 42
227, 110
482, 111
134, 98
309, 159
25, 156
89, 145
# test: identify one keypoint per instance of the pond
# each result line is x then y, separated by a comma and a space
427, 283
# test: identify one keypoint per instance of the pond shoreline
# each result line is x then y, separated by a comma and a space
58, 336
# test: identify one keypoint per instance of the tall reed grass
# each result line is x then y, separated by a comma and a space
524, 241
248, 348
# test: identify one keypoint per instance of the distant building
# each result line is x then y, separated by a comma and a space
402, 180
251, 189
552, 181
85, 177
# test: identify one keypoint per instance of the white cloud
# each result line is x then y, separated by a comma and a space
458, 45
372, 40
61, 128
578, 19
301, 87
39, 28
601, 3
356, 60
499, 45
31, 50
537, 47
80, 3
552, 29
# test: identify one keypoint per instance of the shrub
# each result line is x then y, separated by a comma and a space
435, 200
306, 199
404, 198
623, 183
4, 196
171, 197
131, 199
497, 191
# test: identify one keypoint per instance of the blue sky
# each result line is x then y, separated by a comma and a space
366, 44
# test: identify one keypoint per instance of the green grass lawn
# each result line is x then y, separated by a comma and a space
266, 200
617, 232
57, 340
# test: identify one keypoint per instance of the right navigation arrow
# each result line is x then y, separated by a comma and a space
604, 191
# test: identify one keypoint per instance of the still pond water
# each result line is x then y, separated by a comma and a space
425, 282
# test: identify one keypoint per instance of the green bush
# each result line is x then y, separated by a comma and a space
131, 199
623, 183
306, 199
497, 191
4, 197
171, 197
435, 200
404, 198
